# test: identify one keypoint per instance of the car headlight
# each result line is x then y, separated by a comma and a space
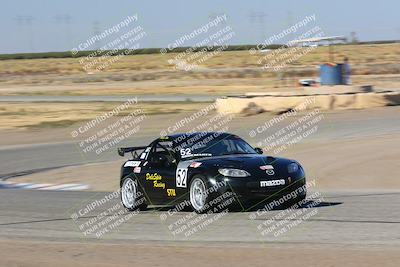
293, 167
233, 172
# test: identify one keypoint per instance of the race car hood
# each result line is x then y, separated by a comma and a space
252, 163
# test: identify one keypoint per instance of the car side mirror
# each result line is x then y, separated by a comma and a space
258, 150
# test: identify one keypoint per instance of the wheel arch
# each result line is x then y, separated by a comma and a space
193, 173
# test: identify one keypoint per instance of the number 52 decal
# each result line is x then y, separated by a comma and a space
181, 177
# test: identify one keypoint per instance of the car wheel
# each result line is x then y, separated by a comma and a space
131, 196
198, 195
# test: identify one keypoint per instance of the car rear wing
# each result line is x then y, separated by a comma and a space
133, 150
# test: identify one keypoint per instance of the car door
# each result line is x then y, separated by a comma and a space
159, 178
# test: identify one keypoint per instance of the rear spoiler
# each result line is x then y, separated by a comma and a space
123, 150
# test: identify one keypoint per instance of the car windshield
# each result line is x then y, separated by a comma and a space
209, 145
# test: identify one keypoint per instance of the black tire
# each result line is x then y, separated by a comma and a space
214, 202
139, 201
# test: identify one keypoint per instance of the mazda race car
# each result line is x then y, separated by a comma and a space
197, 168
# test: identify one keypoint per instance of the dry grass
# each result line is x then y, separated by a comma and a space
225, 73
146, 64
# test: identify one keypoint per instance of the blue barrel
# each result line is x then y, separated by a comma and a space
331, 74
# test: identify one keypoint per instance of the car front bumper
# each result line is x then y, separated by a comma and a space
250, 189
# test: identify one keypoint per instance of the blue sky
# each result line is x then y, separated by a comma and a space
59, 25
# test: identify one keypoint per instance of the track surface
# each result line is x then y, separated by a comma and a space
334, 126
110, 98
362, 219
349, 228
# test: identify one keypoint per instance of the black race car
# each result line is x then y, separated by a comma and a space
197, 168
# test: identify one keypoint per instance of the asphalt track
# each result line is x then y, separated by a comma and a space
357, 218
343, 218
335, 126
108, 98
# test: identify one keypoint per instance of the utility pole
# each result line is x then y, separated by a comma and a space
212, 16
257, 21
66, 20
25, 23
96, 31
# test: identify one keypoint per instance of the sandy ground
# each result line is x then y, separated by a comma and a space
37, 254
